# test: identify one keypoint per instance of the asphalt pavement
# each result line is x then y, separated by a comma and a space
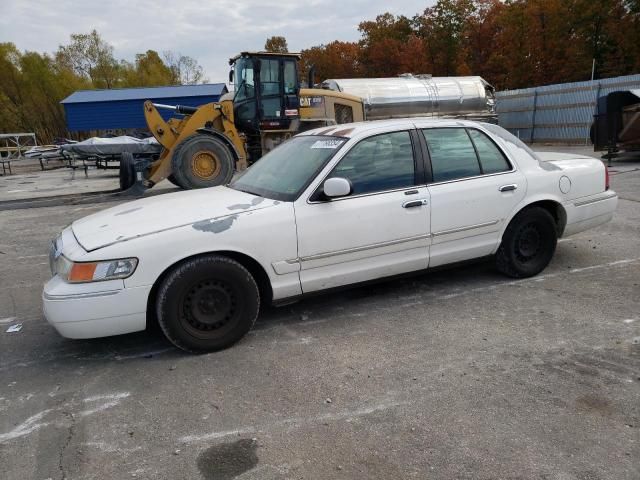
455, 374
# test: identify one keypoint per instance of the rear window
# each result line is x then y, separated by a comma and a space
513, 143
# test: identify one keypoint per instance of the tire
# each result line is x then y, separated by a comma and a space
127, 173
202, 161
207, 304
173, 180
528, 243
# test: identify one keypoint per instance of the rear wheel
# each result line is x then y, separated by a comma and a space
127, 172
202, 161
528, 243
207, 304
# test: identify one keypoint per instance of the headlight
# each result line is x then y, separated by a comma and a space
83, 272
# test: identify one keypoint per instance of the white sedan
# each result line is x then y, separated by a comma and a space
331, 207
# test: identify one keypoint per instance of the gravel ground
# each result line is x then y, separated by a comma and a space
455, 374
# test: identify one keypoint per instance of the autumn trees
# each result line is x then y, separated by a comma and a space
276, 44
33, 84
512, 43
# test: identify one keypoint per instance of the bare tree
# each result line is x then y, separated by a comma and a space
186, 70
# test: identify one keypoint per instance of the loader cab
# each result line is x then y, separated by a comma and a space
267, 91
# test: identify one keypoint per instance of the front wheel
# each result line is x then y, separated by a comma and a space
528, 243
207, 304
202, 161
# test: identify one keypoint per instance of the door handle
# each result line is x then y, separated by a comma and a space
508, 188
414, 203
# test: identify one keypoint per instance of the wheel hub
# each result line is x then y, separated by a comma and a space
209, 305
205, 165
529, 243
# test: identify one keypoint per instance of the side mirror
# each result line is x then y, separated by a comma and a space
231, 76
336, 187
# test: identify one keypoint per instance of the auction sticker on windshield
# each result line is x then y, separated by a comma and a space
330, 144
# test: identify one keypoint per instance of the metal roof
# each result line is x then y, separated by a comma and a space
295, 55
145, 93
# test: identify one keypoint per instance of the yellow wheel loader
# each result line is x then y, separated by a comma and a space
209, 143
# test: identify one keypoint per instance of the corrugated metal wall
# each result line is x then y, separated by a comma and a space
560, 113
122, 114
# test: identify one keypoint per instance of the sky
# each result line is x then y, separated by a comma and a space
209, 31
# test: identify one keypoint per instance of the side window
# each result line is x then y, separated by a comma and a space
491, 158
452, 154
290, 78
382, 162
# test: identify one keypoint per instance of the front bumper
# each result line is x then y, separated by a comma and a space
91, 310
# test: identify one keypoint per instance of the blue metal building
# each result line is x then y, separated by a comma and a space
122, 108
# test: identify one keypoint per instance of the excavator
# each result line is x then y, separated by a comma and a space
205, 146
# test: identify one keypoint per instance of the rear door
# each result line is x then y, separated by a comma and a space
473, 190
380, 229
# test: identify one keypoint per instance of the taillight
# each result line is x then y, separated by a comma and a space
606, 178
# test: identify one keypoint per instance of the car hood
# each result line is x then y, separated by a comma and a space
163, 212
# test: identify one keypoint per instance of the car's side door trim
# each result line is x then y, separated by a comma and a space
464, 229
334, 253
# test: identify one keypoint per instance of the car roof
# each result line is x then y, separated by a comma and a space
349, 130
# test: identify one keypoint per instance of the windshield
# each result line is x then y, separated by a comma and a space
284, 172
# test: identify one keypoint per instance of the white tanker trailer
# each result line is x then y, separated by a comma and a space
410, 95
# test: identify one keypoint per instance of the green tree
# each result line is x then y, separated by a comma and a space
89, 56
31, 87
148, 71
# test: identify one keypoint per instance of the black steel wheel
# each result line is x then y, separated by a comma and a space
207, 303
202, 161
528, 243
127, 172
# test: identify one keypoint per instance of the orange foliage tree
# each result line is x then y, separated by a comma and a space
511, 43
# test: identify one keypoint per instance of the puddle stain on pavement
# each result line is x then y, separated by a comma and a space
226, 461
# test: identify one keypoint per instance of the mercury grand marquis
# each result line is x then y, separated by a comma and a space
331, 207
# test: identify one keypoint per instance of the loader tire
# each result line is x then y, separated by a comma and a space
127, 171
202, 161
172, 179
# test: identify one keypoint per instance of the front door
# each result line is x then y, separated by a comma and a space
380, 229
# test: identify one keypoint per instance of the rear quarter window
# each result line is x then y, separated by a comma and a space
491, 158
